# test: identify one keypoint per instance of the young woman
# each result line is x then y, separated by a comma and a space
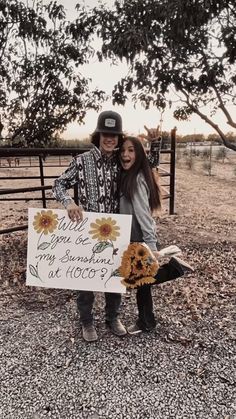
140, 196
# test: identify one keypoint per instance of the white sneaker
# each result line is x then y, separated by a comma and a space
134, 329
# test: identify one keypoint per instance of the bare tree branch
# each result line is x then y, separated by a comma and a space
205, 118
223, 108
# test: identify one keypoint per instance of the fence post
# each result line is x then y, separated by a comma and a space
42, 181
172, 172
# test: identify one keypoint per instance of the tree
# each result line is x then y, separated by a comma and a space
185, 46
193, 138
214, 138
41, 89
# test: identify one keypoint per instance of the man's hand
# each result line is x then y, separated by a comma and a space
152, 133
75, 212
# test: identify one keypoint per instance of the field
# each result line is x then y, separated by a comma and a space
190, 359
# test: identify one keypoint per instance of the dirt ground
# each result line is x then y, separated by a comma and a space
206, 202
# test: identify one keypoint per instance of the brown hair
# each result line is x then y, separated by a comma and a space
129, 177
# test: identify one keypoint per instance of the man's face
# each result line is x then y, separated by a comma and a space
108, 142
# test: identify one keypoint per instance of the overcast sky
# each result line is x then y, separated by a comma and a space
104, 76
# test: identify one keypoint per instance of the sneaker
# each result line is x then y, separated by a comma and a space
89, 333
184, 266
116, 327
134, 329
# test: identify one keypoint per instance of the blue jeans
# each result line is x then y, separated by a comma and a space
85, 302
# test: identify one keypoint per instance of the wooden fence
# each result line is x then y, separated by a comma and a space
37, 158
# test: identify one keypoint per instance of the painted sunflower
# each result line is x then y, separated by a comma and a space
104, 229
45, 221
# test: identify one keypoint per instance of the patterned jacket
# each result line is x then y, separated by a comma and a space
96, 176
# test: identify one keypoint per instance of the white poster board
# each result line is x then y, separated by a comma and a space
79, 256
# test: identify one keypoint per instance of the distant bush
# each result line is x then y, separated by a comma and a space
207, 167
86, 142
221, 154
206, 153
55, 142
195, 152
178, 153
190, 163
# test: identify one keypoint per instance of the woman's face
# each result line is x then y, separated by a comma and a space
127, 155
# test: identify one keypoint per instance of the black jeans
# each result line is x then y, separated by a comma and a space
85, 302
146, 319
167, 272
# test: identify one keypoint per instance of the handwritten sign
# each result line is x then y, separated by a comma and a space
81, 256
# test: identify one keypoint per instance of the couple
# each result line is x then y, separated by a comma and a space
115, 176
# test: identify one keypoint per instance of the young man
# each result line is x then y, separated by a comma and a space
96, 174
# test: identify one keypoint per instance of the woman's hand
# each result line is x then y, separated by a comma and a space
156, 254
75, 212
152, 133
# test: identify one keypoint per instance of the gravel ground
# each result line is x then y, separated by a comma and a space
183, 370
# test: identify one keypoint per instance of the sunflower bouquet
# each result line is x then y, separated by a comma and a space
138, 266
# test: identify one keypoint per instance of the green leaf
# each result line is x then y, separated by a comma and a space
43, 246
33, 271
100, 246
116, 273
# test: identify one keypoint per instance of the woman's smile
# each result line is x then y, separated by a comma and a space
127, 155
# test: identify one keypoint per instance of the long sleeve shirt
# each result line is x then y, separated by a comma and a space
96, 177
143, 227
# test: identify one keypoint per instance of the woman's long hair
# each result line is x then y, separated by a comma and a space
129, 177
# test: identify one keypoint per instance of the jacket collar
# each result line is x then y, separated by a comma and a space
99, 156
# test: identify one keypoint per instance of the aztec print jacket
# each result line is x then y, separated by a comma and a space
96, 177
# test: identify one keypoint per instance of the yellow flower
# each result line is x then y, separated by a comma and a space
134, 283
45, 221
126, 264
141, 251
145, 280
104, 229
128, 283
132, 248
125, 269
138, 267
